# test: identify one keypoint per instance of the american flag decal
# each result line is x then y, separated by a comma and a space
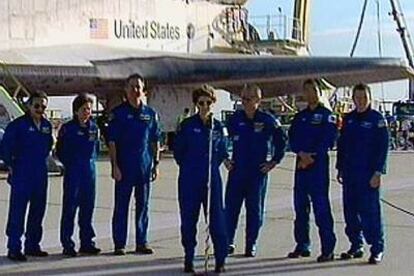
98, 28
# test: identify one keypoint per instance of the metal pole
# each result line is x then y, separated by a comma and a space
268, 25
405, 39
207, 206
380, 48
402, 30
361, 21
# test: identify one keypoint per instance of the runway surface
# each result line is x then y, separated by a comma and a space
275, 242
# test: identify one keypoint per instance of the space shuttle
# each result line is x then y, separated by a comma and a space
65, 47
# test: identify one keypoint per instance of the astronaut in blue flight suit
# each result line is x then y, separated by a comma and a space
312, 133
191, 151
76, 149
133, 138
254, 135
362, 156
25, 147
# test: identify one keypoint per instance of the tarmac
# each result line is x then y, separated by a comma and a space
275, 241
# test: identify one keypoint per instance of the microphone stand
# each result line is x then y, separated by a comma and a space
209, 182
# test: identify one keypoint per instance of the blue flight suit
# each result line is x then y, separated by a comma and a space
362, 151
191, 151
253, 139
25, 149
313, 131
76, 149
133, 130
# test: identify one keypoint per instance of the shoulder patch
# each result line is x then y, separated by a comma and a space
382, 123
332, 119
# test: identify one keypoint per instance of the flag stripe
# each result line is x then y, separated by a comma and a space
98, 28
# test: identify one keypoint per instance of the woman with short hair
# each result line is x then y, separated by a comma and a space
76, 149
192, 152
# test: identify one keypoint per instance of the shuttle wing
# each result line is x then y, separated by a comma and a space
64, 70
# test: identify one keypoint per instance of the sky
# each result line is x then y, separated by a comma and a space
333, 25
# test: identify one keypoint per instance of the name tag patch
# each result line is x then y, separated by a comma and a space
258, 127
46, 130
316, 119
366, 124
144, 117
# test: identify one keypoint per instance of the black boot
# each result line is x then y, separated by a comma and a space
144, 249
250, 251
69, 252
352, 253
325, 258
36, 253
230, 249
299, 253
90, 250
219, 268
119, 252
376, 258
17, 257
188, 267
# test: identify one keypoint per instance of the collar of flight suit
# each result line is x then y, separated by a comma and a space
141, 109
197, 115
256, 113
78, 123
318, 106
29, 118
362, 115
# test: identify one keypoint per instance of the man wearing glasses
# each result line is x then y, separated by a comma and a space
25, 147
254, 135
133, 138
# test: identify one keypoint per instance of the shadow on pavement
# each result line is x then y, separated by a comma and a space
121, 267
271, 266
167, 266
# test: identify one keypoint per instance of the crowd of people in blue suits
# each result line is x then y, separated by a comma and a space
200, 148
